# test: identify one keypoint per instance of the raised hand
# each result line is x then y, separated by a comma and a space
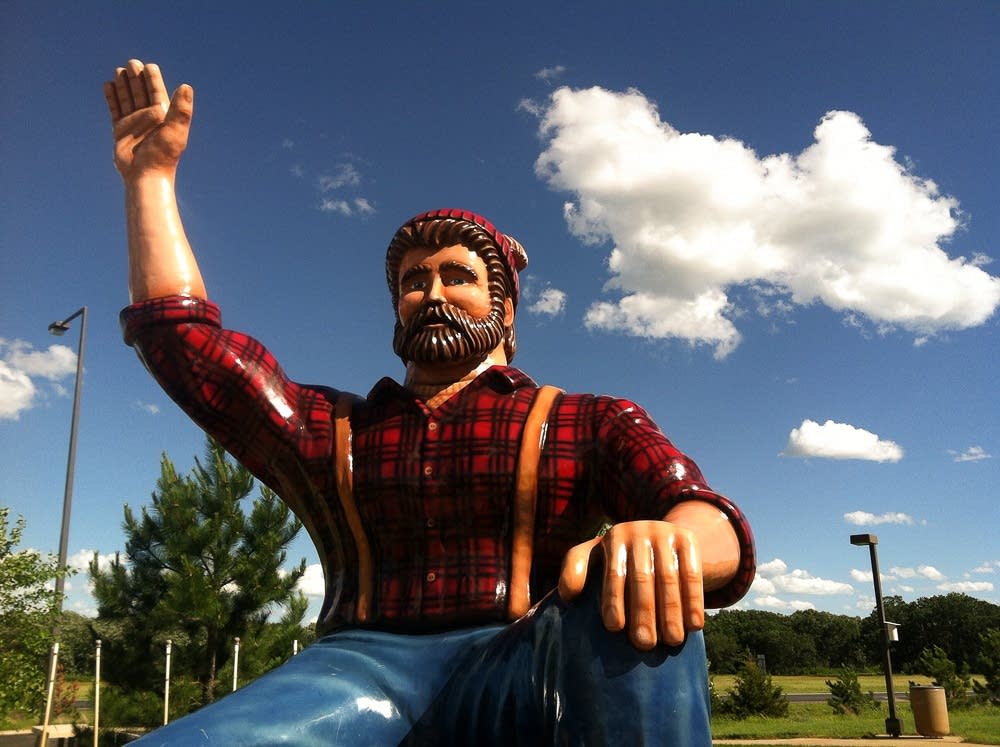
150, 130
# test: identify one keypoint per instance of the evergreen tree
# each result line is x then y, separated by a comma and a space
198, 570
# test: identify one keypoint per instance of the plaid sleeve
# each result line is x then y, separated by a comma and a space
645, 475
230, 385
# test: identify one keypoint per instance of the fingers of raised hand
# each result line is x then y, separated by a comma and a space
135, 86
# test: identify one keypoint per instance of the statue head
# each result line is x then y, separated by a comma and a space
503, 256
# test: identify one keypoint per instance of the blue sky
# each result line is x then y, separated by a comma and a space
772, 224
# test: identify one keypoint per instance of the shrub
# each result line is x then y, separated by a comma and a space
934, 661
989, 665
846, 695
755, 695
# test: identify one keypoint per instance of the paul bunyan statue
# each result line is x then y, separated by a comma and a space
467, 598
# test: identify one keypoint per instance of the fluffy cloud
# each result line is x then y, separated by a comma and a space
775, 603
774, 577
20, 364
549, 74
693, 216
863, 518
550, 302
839, 441
924, 571
972, 454
311, 583
966, 587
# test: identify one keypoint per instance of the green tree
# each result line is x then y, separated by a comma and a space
27, 618
846, 696
989, 665
198, 570
754, 694
944, 673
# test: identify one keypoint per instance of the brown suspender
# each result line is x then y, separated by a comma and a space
345, 489
525, 498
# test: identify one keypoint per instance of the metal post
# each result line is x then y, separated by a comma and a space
58, 328
97, 690
166, 685
295, 647
892, 723
54, 660
236, 660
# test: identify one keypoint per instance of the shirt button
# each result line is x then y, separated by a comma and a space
428, 470
430, 523
431, 577
432, 426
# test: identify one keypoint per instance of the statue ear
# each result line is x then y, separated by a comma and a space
508, 312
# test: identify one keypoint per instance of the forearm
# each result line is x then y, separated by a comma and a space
161, 262
718, 544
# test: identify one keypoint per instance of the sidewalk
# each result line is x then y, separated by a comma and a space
883, 741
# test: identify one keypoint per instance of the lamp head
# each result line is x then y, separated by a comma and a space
58, 328
864, 539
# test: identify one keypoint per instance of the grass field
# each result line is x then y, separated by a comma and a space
979, 724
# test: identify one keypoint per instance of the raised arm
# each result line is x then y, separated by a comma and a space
150, 133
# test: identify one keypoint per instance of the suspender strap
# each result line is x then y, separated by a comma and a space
345, 490
525, 498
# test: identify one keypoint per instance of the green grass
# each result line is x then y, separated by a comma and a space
978, 724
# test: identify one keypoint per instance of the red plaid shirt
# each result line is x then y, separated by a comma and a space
433, 487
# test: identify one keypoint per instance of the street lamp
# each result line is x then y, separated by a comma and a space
892, 724
59, 328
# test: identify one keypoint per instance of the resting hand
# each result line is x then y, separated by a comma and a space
150, 131
652, 581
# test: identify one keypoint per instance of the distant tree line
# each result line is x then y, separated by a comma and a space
811, 641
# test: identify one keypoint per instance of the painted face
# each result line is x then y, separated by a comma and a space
445, 310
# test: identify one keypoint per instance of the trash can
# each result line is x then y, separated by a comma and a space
930, 710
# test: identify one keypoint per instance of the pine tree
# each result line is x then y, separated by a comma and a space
198, 570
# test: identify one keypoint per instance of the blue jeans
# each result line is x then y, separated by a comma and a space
554, 677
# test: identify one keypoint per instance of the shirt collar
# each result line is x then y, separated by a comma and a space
501, 379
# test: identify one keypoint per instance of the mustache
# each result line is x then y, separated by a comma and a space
463, 336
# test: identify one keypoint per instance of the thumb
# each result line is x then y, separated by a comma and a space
573, 577
181, 107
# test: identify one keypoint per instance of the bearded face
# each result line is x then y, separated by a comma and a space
443, 333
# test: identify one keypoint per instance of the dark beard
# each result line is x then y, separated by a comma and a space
461, 336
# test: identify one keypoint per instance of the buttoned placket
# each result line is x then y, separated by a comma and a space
432, 432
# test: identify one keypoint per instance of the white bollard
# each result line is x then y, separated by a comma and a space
97, 689
166, 685
236, 660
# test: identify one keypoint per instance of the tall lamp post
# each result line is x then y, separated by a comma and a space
892, 724
60, 328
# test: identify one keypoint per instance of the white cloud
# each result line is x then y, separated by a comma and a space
987, 567
20, 364
773, 577
839, 441
311, 583
966, 587
550, 301
80, 560
146, 407
864, 518
357, 206
344, 175
925, 571
774, 603
772, 568
692, 216
971, 454
549, 74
